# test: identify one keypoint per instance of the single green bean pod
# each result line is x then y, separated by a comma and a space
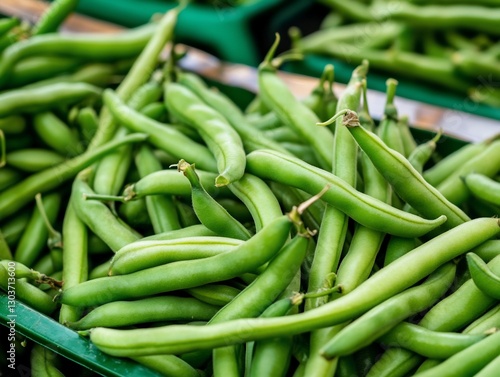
485, 279
220, 137
208, 210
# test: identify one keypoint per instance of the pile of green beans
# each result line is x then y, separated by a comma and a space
451, 46
287, 237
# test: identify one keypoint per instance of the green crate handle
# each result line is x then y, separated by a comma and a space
66, 342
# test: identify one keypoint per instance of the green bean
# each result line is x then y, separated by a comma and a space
483, 187
486, 163
112, 168
439, 172
5, 252
133, 213
152, 309
284, 134
144, 254
427, 364
490, 369
221, 138
468, 361
34, 160
27, 293
398, 246
382, 318
75, 258
258, 198
138, 74
405, 180
395, 362
466, 304
291, 171
356, 10
388, 129
37, 68
198, 230
488, 321
161, 135
383, 284
97, 74
54, 16
161, 208
271, 357
98, 217
208, 210
292, 112
359, 33
42, 98
20, 194
168, 365
428, 343
88, 122
14, 227
252, 139
183, 274
14, 124
43, 362
87, 46
34, 237
155, 110
409, 142
170, 182
423, 152
214, 294
56, 134
486, 280
23, 272
472, 17
9, 177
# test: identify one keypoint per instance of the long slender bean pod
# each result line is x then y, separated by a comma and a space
54, 16
151, 309
405, 180
486, 280
22, 100
208, 210
144, 254
428, 343
75, 258
483, 187
383, 317
291, 111
98, 217
294, 172
259, 199
220, 137
468, 361
380, 286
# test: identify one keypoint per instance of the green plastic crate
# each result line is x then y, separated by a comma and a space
238, 34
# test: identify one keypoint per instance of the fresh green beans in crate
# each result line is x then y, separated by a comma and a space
221, 268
